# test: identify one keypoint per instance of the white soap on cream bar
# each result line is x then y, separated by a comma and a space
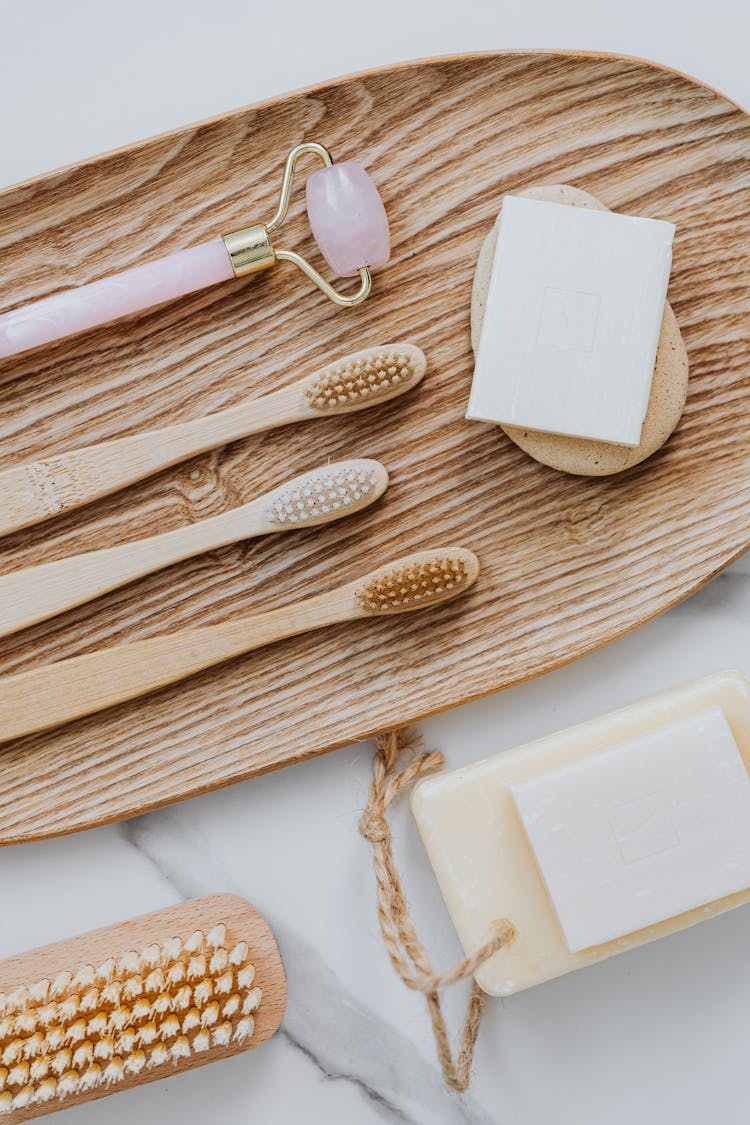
572, 321
645, 830
599, 838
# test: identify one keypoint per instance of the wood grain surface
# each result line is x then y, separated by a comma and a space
243, 923
568, 563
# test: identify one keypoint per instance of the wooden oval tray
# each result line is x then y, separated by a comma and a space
568, 563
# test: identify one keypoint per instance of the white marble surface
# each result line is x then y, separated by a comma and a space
658, 1035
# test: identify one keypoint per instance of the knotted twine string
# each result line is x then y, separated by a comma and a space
405, 950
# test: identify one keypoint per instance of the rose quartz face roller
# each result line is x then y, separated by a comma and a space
347, 218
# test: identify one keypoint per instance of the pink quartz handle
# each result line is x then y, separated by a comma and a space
132, 291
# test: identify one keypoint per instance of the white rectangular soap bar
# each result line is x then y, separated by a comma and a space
648, 829
695, 790
572, 320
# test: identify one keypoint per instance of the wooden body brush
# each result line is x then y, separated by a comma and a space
135, 1002
39, 490
314, 498
58, 693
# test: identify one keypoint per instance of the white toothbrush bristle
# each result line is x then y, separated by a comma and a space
324, 495
95, 1027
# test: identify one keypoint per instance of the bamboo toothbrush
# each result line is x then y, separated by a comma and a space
58, 693
318, 497
38, 490
131, 1003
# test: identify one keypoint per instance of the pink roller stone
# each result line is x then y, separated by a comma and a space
348, 218
132, 291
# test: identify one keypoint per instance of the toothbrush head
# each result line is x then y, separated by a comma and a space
326, 494
365, 378
416, 581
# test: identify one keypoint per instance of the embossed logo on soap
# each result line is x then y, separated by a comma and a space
643, 828
569, 319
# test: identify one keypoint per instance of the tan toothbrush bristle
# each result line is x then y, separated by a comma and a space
365, 378
93, 1028
427, 578
325, 494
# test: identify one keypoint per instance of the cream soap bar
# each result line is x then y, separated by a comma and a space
599, 838
572, 322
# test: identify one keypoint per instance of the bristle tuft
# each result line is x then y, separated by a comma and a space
39, 991
19, 998
135, 1063
252, 1001
158, 1056
180, 1049
68, 1084
68, 1007
19, 1075
239, 954
172, 949
244, 1029
183, 998
219, 961
23, 1097
365, 378
430, 577
90, 1000
91, 1077
232, 1006
194, 944
246, 976
128, 963
39, 1068
85, 977
217, 936
196, 967
152, 955
114, 1071
202, 991
107, 970
45, 1091
221, 1036
94, 1027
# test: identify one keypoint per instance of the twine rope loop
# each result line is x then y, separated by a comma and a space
407, 954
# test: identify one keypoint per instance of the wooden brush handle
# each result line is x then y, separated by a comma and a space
58, 693
39, 592
39, 490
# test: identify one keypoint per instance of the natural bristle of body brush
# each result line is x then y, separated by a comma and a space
94, 1025
326, 494
365, 378
426, 578
90, 1028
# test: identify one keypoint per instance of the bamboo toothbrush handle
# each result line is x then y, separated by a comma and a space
58, 693
41, 489
39, 592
